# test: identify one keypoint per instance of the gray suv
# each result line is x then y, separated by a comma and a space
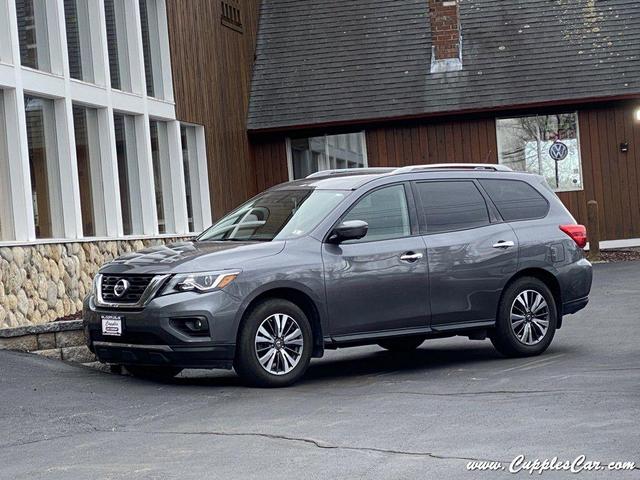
343, 258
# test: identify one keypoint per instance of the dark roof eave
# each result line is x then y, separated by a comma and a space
447, 113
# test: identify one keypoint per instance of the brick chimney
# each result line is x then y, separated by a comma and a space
446, 38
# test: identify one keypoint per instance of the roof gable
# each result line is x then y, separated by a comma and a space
344, 61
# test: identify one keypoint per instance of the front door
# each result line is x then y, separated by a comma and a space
470, 254
378, 283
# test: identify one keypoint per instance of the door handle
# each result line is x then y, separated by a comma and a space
411, 257
503, 244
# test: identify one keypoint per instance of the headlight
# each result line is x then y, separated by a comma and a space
200, 282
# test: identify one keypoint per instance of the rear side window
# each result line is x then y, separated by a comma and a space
452, 205
386, 212
516, 200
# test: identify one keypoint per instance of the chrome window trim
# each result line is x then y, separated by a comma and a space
152, 289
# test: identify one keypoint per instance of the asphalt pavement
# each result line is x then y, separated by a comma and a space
359, 413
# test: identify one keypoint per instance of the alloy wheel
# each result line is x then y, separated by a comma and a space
279, 344
529, 317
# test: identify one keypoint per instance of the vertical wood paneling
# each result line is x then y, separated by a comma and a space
211, 66
270, 163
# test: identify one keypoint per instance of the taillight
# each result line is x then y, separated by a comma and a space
578, 234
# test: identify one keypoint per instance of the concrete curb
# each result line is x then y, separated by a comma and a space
60, 340
50, 327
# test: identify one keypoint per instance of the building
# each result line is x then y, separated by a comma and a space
430, 81
125, 123
122, 124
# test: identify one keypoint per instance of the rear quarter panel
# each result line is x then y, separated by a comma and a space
544, 245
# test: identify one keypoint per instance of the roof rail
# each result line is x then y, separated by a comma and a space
452, 166
351, 171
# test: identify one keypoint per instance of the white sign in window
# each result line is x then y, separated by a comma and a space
548, 145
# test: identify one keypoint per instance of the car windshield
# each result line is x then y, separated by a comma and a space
275, 215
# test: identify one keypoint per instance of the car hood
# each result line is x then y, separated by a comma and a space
188, 257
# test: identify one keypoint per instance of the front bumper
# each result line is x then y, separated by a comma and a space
213, 356
150, 336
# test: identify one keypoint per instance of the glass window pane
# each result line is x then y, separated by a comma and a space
545, 144
85, 122
310, 155
158, 173
32, 34
187, 158
385, 210
449, 206
76, 15
151, 47
516, 200
42, 163
114, 11
276, 215
125, 152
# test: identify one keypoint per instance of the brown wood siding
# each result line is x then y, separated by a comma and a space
270, 163
212, 66
445, 142
610, 177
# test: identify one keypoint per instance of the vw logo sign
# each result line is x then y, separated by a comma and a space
558, 151
121, 287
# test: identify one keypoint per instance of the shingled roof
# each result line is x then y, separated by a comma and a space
334, 61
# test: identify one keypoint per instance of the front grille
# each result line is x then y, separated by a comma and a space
137, 285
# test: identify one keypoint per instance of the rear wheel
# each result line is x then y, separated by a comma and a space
406, 344
527, 319
275, 345
153, 373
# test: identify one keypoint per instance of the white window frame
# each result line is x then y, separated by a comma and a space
326, 165
6, 53
88, 14
579, 147
64, 91
159, 49
6, 222
198, 177
96, 166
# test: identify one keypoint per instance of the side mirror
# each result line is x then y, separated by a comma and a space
349, 230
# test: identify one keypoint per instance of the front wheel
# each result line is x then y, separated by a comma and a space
527, 319
275, 344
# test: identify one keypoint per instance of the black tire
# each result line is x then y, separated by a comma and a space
153, 373
247, 363
504, 337
404, 344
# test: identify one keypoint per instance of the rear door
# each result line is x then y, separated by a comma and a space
471, 253
378, 283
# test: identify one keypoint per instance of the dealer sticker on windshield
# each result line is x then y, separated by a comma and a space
112, 325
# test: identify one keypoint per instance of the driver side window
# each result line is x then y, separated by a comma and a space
385, 211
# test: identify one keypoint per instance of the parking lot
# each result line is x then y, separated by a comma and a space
359, 413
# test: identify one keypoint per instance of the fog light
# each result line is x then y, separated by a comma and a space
193, 326
196, 324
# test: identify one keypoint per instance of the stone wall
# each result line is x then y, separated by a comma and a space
44, 282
